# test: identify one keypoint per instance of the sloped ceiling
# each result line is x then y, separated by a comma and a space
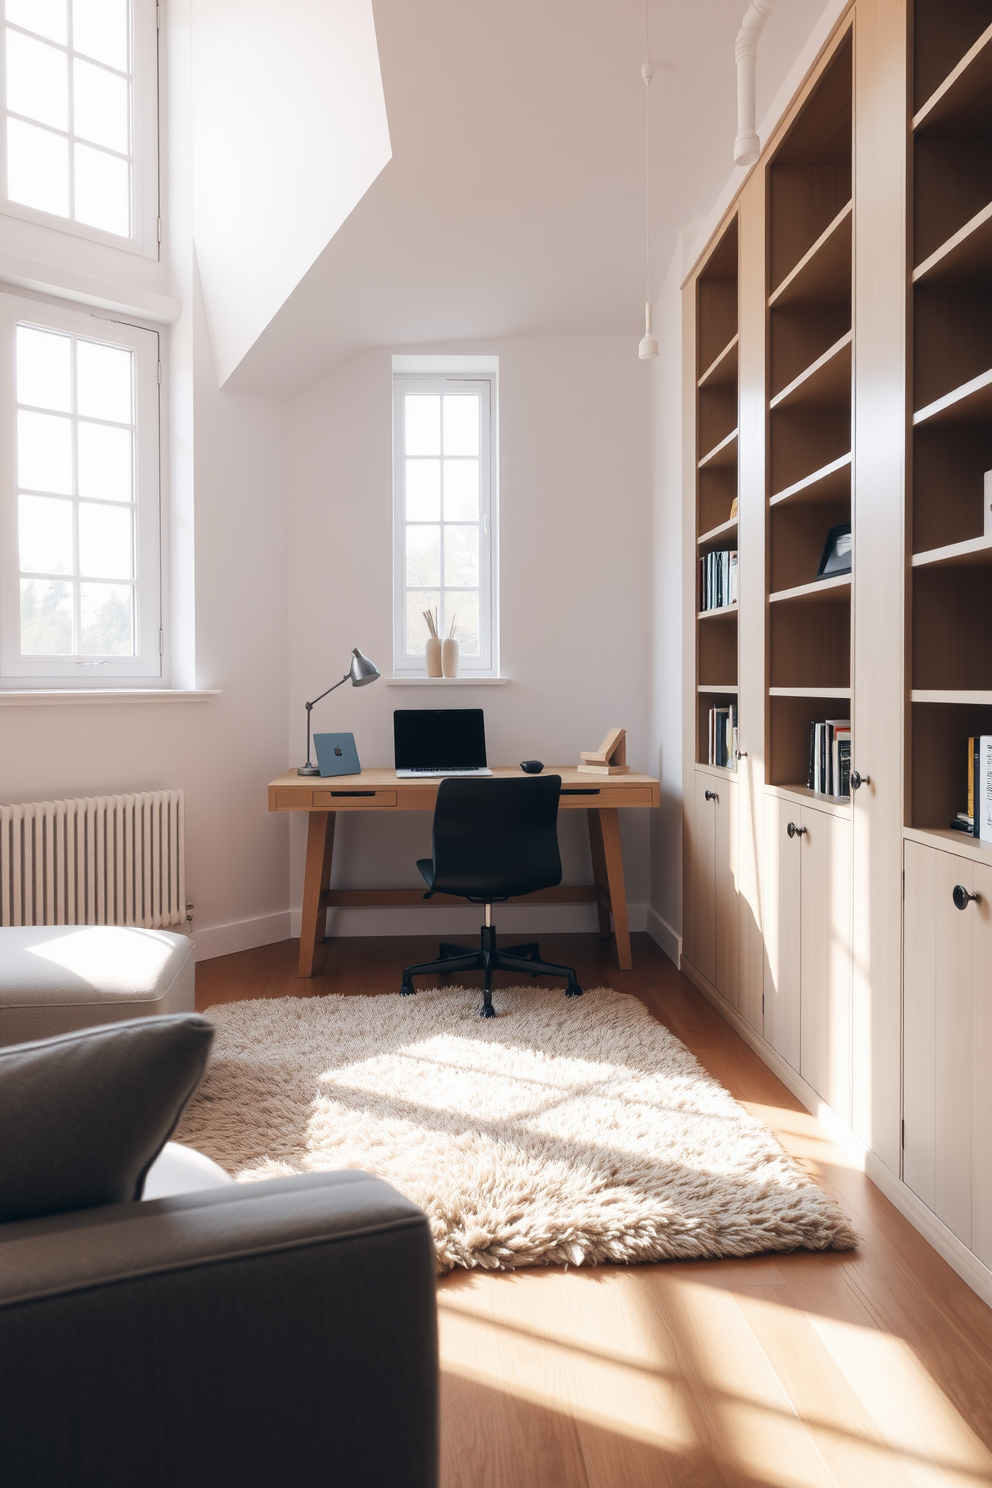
514, 200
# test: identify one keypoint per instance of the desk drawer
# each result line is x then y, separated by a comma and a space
587, 797
353, 800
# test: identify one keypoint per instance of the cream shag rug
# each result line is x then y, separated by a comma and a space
564, 1131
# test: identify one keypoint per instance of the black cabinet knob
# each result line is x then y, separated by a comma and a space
857, 781
795, 831
712, 796
961, 896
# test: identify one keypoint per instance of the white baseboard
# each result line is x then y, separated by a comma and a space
662, 934
241, 935
511, 919
947, 1245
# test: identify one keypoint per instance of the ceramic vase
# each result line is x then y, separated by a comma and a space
434, 657
450, 656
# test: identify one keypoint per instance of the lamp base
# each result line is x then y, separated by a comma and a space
308, 770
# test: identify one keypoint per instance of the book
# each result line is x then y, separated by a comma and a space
975, 747
840, 785
812, 750
983, 789
971, 781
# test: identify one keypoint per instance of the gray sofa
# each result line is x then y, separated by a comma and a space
210, 1334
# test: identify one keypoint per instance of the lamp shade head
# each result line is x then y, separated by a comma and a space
362, 670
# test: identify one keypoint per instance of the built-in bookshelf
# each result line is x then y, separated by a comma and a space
809, 388
949, 607
716, 485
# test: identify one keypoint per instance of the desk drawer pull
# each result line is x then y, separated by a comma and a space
352, 793
580, 790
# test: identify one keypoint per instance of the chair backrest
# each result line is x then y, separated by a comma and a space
494, 839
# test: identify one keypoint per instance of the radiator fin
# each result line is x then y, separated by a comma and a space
98, 860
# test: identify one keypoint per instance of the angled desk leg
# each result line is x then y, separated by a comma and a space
609, 830
599, 874
316, 878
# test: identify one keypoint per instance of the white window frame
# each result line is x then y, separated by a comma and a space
145, 232
83, 672
485, 383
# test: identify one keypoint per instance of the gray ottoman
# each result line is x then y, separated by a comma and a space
55, 978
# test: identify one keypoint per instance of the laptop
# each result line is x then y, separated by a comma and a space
439, 741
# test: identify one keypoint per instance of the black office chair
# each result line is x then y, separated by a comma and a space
493, 840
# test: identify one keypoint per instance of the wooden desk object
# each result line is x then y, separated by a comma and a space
382, 790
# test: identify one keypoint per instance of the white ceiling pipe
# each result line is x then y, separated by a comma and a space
747, 146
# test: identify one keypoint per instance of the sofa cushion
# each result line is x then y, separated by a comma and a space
83, 1116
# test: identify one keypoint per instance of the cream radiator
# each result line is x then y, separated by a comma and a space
99, 860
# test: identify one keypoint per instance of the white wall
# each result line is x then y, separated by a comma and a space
575, 594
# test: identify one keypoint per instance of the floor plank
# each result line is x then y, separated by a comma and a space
872, 1367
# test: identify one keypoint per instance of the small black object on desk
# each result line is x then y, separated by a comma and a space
531, 767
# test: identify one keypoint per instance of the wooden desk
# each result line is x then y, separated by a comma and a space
381, 790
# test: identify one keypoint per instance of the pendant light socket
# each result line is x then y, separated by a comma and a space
648, 348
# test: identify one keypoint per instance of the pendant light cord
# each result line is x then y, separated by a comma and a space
647, 72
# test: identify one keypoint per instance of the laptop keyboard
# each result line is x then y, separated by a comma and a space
440, 770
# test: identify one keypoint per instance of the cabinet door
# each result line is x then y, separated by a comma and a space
825, 958
954, 975
703, 859
727, 928
980, 913
751, 959
919, 1019
782, 917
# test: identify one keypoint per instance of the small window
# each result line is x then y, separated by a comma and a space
79, 80
445, 518
80, 537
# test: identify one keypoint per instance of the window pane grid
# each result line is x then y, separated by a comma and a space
83, 171
442, 480
82, 605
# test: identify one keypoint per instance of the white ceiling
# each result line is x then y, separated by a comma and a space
514, 201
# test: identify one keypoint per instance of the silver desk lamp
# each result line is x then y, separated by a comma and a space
358, 674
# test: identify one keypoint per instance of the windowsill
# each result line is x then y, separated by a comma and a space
447, 681
26, 696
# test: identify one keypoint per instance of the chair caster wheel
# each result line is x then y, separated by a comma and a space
575, 991
407, 989
487, 1011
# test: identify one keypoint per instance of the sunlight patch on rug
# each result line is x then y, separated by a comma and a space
564, 1131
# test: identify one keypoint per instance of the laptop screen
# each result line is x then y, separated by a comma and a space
439, 738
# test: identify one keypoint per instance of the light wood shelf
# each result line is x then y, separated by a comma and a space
832, 591
830, 483
965, 257
721, 613
722, 372
826, 383
803, 796
969, 403
948, 840
715, 533
975, 552
962, 100
708, 687
724, 453
957, 696
823, 274
826, 693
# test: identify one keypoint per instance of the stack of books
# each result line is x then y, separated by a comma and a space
723, 737
977, 820
830, 757
717, 580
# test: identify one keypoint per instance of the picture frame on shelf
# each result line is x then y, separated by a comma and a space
837, 552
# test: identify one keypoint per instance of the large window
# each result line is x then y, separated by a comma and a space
79, 116
445, 518
79, 543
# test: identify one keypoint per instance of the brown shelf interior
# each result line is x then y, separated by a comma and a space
809, 179
797, 537
951, 612
951, 346
803, 441
952, 337
810, 644
788, 734
716, 482
943, 32
939, 778
948, 484
717, 641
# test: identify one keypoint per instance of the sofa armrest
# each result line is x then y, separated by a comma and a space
281, 1332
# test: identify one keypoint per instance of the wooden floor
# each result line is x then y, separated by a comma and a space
865, 1370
